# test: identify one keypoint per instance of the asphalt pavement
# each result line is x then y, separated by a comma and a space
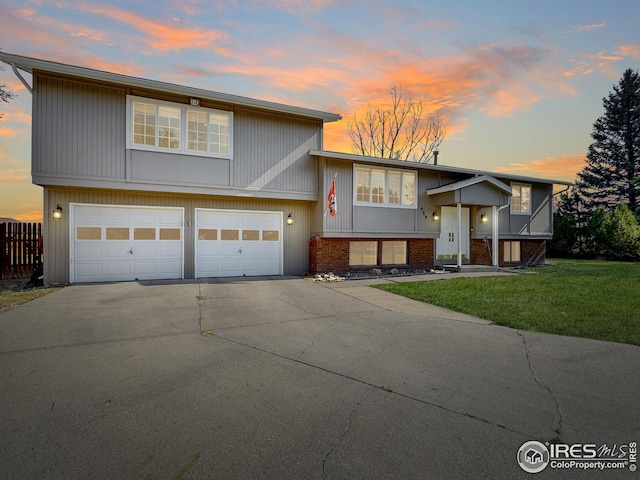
281, 378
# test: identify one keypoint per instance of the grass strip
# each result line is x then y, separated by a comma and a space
579, 298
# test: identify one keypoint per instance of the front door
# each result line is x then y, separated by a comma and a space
447, 244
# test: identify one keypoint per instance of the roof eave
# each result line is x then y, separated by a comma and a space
29, 64
439, 168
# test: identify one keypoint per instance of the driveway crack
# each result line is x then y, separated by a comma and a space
343, 435
558, 429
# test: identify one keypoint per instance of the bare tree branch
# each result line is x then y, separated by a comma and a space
402, 131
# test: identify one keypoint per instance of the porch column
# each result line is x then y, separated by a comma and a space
494, 236
459, 237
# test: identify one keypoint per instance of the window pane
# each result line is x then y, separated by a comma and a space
169, 234
362, 184
169, 127
515, 198
207, 234
117, 233
395, 182
377, 186
363, 253
197, 131
218, 143
250, 234
511, 251
408, 188
144, 123
394, 253
270, 235
144, 233
525, 199
89, 233
229, 235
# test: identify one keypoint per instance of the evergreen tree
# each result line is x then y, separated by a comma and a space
613, 160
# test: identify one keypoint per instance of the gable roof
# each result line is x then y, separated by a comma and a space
30, 65
472, 181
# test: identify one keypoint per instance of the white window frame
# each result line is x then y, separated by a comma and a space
393, 247
519, 187
371, 169
184, 140
512, 248
357, 249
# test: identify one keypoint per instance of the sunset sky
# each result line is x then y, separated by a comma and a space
518, 84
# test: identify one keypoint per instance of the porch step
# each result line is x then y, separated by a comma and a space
470, 268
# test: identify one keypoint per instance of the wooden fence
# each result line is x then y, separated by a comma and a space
20, 249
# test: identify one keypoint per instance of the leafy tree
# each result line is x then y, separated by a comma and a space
613, 159
402, 131
614, 235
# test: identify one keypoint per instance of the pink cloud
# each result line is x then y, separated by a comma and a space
632, 51
165, 36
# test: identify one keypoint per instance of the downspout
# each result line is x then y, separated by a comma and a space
21, 78
496, 251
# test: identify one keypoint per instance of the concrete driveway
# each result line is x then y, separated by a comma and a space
285, 379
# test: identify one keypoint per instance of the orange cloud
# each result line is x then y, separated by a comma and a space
165, 36
8, 132
562, 168
33, 216
12, 176
632, 51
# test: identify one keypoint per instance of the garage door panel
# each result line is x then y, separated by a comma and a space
271, 222
88, 250
145, 268
166, 268
117, 250
118, 268
116, 216
233, 243
131, 245
167, 249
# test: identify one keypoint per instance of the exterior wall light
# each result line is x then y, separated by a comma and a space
195, 102
484, 218
57, 213
289, 220
436, 217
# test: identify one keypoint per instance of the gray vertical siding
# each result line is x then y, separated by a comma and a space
79, 133
78, 129
272, 152
57, 241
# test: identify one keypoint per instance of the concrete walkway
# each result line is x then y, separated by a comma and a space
285, 379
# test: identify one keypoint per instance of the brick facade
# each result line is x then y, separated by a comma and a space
532, 252
332, 254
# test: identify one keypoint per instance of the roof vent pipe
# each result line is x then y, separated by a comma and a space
435, 156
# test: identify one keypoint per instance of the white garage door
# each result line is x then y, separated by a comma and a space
115, 243
233, 243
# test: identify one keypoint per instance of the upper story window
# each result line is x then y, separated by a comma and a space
164, 126
384, 187
520, 198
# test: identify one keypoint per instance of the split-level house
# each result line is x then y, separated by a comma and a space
147, 180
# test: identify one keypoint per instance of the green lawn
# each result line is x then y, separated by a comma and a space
592, 299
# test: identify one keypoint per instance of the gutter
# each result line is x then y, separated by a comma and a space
21, 78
